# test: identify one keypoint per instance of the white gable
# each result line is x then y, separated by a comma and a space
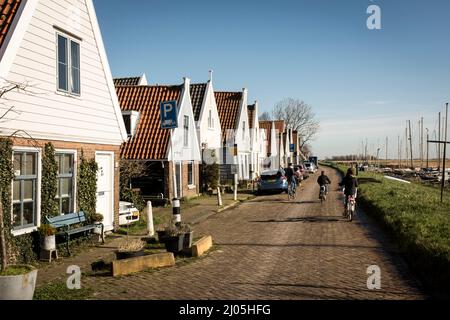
191, 152
30, 57
207, 134
243, 142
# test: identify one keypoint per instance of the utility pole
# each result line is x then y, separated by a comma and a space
428, 147
439, 145
398, 152
387, 141
445, 153
410, 145
422, 146
406, 144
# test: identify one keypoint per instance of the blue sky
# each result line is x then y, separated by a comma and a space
361, 83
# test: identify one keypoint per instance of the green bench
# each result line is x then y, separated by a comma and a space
71, 224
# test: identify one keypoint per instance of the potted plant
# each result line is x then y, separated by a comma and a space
130, 249
162, 234
174, 239
97, 219
48, 241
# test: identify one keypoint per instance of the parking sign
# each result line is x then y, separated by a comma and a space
169, 115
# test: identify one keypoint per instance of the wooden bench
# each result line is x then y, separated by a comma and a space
71, 224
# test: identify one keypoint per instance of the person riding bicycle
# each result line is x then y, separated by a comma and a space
351, 185
298, 176
290, 176
323, 181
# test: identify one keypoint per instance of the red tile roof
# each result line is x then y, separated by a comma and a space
197, 97
150, 142
8, 9
251, 115
130, 81
228, 106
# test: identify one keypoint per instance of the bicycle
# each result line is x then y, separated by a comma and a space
292, 191
350, 209
323, 194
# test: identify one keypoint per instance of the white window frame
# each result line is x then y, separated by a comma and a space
186, 134
75, 173
70, 39
28, 230
134, 118
192, 185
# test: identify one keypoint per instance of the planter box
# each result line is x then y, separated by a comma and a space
162, 236
19, 287
128, 255
188, 238
174, 244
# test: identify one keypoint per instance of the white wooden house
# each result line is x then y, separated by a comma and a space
233, 114
56, 49
148, 142
255, 140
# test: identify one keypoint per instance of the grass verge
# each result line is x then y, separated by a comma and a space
59, 291
414, 217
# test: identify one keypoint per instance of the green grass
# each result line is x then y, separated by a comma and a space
414, 216
59, 291
16, 271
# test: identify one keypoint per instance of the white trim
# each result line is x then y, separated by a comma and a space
26, 230
106, 68
70, 39
113, 182
75, 173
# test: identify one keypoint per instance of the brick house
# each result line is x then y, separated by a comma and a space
56, 50
149, 143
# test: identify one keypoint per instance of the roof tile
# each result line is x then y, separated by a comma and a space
198, 92
228, 106
8, 10
150, 142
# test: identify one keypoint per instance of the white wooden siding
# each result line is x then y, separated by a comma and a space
46, 113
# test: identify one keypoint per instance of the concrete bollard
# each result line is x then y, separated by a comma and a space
176, 211
219, 197
150, 226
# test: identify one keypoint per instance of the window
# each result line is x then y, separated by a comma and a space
68, 53
186, 131
127, 120
130, 119
64, 192
243, 130
191, 173
210, 120
25, 189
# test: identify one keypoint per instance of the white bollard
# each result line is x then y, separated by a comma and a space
219, 197
150, 226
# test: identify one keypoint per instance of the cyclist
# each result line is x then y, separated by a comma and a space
351, 185
290, 176
323, 180
298, 176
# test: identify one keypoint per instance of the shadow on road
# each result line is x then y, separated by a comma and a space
312, 219
313, 286
302, 245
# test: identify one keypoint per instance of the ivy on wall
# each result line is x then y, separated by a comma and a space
49, 203
87, 186
18, 249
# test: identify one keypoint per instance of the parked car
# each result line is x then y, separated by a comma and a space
127, 213
304, 172
310, 167
272, 181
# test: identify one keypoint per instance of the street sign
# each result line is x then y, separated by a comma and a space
292, 147
169, 115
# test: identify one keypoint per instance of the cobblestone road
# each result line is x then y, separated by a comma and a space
270, 248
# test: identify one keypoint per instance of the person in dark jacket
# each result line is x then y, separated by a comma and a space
323, 180
350, 183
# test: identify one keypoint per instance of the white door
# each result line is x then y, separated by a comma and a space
105, 188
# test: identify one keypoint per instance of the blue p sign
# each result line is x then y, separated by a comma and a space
169, 115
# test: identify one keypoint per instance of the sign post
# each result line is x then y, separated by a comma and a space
169, 121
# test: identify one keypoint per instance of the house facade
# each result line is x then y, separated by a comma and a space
233, 114
255, 140
54, 54
149, 143
272, 157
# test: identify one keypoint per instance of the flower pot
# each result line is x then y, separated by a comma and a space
20, 287
49, 243
188, 238
98, 230
120, 255
162, 236
174, 244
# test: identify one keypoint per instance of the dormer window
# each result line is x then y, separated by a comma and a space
130, 118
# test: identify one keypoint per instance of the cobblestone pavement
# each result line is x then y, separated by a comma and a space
270, 248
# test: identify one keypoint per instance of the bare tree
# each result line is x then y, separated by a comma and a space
298, 116
265, 116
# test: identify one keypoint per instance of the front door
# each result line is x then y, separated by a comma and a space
105, 188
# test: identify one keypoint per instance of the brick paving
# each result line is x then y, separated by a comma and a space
270, 248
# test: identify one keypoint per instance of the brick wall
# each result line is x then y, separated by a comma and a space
187, 192
89, 152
